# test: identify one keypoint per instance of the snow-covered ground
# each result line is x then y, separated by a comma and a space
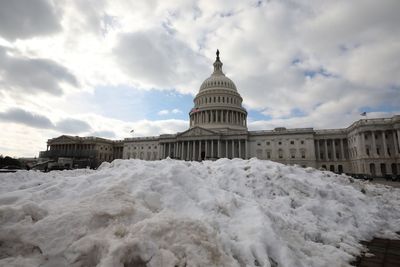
176, 213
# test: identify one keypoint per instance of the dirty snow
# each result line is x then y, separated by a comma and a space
176, 213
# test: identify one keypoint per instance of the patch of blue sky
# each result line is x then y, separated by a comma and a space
255, 115
131, 104
381, 108
321, 71
296, 112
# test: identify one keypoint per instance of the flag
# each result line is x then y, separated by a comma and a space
131, 131
194, 110
364, 114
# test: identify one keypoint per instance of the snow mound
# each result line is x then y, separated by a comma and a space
177, 213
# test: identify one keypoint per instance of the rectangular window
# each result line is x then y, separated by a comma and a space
292, 142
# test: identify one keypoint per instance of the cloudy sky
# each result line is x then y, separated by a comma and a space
106, 67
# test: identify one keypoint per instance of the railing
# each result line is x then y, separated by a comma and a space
283, 130
147, 138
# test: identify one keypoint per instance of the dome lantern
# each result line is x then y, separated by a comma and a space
218, 66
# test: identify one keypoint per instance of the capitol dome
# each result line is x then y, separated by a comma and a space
218, 105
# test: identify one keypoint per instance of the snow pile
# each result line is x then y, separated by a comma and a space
176, 213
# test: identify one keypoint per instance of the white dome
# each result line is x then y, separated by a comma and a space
218, 82
218, 105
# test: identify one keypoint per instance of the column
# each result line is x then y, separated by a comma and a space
233, 148
363, 148
199, 150
206, 149
226, 149
175, 149
395, 144
194, 150
219, 149
373, 144
212, 148
240, 149
334, 149
317, 149
384, 145
187, 150
398, 140
326, 149
246, 151
342, 149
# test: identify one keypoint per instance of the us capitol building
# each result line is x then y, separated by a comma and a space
218, 129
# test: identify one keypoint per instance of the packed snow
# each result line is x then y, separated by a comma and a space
176, 213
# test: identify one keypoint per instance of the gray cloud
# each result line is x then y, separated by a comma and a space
158, 58
21, 19
20, 116
72, 126
104, 134
32, 75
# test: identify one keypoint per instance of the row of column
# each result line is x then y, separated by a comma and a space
70, 147
205, 149
333, 151
218, 116
373, 152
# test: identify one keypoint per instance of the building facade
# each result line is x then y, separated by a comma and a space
80, 152
218, 129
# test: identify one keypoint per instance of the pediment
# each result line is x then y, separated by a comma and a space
197, 131
63, 139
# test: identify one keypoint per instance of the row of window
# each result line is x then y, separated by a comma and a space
217, 99
353, 139
219, 83
281, 154
141, 155
292, 142
140, 147
107, 157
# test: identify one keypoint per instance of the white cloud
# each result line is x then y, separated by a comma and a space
163, 112
166, 111
349, 49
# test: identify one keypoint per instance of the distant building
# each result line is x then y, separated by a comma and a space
81, 151
218, 129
